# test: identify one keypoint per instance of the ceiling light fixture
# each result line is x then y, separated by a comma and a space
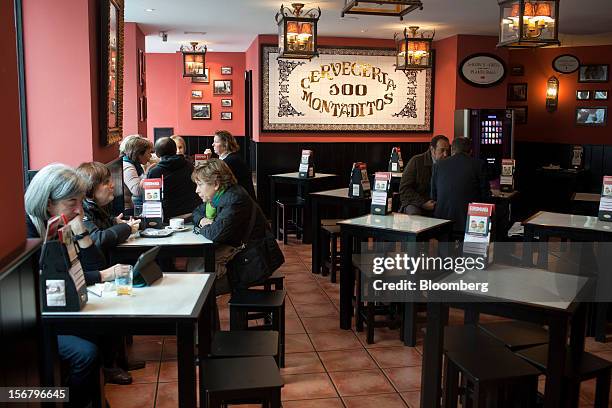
393, 8
528, 23
297, 32
413, 49
150, 10
194, 59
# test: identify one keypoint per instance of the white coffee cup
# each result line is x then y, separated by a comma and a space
177, 223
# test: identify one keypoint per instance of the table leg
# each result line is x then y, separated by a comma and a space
556, 361
273, 204
205, 332
209, 258
308, 231
528, 246
431, 374
347, 280
185, 345
316, 236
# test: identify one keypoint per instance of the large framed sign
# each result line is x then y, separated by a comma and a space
344, 89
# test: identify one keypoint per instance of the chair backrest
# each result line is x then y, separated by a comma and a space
116, 170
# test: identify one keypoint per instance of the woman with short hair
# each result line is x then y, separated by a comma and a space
136, 152
226, 147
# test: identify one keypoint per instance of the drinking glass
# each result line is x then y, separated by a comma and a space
124, 281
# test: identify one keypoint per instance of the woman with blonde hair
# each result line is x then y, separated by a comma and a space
181, 146
226, 148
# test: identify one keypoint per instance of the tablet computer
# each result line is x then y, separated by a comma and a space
146, 270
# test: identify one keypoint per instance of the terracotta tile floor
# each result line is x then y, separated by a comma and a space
325, 367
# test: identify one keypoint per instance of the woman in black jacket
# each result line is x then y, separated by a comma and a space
226, 147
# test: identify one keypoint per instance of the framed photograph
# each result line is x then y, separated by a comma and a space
226, 115
593, 73
141, 68
600, 95
142, 109
200, 111
196, 94
597, 116
520, 114
583, 95
517, 70
201, 79
222, 87
226, 103
226, 70
517, 92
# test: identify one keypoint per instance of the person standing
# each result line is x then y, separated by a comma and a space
458, 181
415, 186
226, 147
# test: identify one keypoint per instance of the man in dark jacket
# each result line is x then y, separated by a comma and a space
179, 195
415, 186
458, 181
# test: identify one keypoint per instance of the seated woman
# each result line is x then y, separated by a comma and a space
136, 152
181, 147
106, 231
225, 214
226, 148
55, 190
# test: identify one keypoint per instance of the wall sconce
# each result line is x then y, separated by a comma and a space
194, 59
552, 94
297, 32
528, 23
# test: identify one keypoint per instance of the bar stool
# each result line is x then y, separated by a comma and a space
260, 301
276, 281
289, 218
516, 335
330, 232
589, 366
489, 377
241, 380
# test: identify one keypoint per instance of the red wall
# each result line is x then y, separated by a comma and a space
445, 85
559, 126
169, 94
11, 176
132, 91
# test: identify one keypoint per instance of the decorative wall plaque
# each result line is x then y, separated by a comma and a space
566, 64
482, 70
344, 89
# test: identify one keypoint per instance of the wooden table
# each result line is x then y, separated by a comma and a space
526, 294
586, 203
332, 198
176, 304
304, 186
393, 227
184, 243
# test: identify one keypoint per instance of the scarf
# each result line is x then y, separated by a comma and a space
138, 166
211, 207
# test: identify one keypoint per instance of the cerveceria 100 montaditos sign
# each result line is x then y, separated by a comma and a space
329, 73
344, 90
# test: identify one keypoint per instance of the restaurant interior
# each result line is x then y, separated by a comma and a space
329, 106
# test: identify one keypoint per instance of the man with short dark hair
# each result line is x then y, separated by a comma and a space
415, 185
458, 181
179, 195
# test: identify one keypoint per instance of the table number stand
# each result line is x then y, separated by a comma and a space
396, 164
152, 210
478, 231
381, 195
306, 169
506, 181
577, 161
360, 183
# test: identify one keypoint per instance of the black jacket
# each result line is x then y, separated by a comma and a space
415, 185
241, 172
179, 191
105, 233
233, 216
456, 182
91, 258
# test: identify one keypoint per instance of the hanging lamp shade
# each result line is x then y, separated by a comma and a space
297, 32
528, 24
413, 49
194, 60
393, 8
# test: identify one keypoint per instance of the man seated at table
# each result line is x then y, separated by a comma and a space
415, 186
179, 195
456, 182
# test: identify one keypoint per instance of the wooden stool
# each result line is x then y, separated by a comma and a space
260, 301
589, 366
468, 336
241, 380
277, 279
329, 250
289, 218
490, 377
245, 343
516, 335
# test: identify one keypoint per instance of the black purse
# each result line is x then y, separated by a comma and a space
256, 260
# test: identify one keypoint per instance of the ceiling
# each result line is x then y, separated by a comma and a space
231, 25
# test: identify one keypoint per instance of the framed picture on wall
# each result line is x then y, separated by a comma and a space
597, 116
200, 111
201, 79
520, 114
517, 92
600, 95
583, 95
226, 115
196, 94
222, 87
517, 70
226, 70
593, 73
226, 103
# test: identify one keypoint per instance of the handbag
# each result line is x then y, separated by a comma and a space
256, 260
